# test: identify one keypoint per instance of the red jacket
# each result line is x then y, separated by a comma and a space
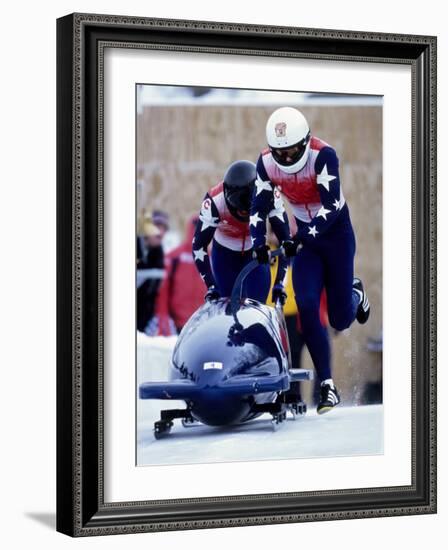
182, 290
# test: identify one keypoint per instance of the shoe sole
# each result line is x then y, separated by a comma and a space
324, 410
362, 319
363, 313
362, 316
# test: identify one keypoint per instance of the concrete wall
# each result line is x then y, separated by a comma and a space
184, 150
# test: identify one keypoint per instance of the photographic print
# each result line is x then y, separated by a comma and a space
244, 213
258, 275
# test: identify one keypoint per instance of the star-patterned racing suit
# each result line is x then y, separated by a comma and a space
328, 242
232, 246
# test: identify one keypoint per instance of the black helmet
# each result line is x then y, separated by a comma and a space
238, 184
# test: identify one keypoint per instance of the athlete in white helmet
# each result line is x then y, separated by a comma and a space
305, 170
289, 139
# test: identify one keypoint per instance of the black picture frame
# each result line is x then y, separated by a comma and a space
81, 510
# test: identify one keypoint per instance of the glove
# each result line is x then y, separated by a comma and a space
261, 254
279, 294
212, 294
290, 247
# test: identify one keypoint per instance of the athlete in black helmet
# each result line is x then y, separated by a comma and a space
224, 221
238, 184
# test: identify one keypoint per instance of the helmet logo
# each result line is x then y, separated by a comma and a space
280, 129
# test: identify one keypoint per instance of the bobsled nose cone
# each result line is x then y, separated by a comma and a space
215, 409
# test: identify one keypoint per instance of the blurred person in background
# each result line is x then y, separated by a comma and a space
306, 170
150, 270
161, 220
224, 223
182, 290
170, 239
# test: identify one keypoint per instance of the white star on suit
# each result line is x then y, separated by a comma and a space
207, 219
322, 212
262, 186
313, 231
199, 254
324, 178
337, 204
255, 219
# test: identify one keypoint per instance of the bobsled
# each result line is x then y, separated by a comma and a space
231, 363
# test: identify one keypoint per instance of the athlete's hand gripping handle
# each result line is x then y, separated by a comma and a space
212, 294
261, 254
279, 295
291, 247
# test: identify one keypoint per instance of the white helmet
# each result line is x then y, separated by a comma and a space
288, 136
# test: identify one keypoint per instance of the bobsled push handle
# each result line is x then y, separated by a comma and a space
237, 290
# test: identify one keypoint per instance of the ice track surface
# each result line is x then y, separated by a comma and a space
345, 431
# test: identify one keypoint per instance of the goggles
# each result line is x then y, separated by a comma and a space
287, 156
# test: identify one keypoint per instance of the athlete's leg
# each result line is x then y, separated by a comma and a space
338, 252
257, 282
296, 342
307, 278
226, 264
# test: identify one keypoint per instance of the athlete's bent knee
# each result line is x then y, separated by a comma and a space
339, 322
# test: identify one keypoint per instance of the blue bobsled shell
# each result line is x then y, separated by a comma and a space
221, 368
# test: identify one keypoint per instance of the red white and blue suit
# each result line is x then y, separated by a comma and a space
232, 245
328, 242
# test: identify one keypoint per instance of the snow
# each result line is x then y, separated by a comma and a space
345, 431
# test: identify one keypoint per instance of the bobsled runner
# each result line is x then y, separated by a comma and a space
231, 363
